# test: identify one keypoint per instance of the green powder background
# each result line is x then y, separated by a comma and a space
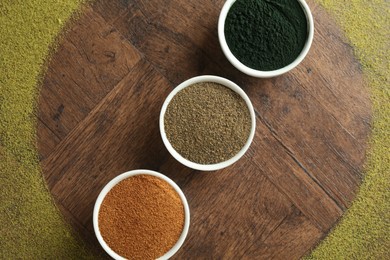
363, 232
30, 224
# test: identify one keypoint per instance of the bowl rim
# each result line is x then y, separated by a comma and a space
227, 83
259, 73
130, 174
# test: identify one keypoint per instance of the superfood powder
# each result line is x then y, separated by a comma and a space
266, 34
207, 123
141, 217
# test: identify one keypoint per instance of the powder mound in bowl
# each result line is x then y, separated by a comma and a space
207, 123
266, 34
142, 217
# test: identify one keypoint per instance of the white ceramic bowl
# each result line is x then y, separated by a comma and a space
258, 73
129, 174
226, 83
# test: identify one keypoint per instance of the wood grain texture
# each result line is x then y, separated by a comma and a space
88, 68
98, 117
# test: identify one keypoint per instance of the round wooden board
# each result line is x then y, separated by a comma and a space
98, 117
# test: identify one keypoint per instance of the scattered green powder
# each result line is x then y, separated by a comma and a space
363, 232
266, 34
207, 123
31, 227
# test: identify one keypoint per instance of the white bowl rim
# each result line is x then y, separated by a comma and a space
129, 174
258, 73
227, 83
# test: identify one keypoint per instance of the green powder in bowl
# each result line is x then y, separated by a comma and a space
265, 38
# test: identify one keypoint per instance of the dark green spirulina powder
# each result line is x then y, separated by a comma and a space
207, 123
266, 34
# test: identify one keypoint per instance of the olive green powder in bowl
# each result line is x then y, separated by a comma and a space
207, 123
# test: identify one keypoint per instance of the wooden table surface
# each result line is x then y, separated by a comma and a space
98, 117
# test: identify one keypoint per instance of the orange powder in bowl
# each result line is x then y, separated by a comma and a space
142, 217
